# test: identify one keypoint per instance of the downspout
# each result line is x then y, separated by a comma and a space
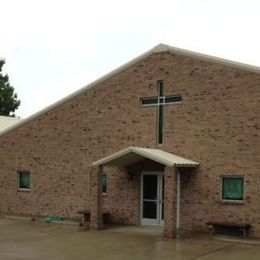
178, 205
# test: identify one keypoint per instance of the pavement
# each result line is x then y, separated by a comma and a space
20, 239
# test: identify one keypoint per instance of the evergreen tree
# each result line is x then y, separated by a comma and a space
8, 99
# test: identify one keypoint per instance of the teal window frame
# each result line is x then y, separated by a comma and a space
104, 183
173, 99
160, 88
24, 180
164, 100
149, 101
160, 126
160, 101
232, 188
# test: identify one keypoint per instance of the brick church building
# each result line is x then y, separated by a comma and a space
170, 139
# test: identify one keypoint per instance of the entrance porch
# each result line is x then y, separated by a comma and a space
154, 177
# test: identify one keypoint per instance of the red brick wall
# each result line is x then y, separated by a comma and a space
217, 125
122, 198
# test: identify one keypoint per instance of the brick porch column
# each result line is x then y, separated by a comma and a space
170, 192
96, 221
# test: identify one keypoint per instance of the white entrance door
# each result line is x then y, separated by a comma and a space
152, 198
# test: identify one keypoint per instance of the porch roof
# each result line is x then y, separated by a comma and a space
133, 154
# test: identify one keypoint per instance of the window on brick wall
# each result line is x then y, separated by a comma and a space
104, 183
233, 188
24, 180
160, 101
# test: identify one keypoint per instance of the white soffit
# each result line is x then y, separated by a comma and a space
132, 155
6, 122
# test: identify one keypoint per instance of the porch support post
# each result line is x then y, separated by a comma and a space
170, 202
96, 221
171, 207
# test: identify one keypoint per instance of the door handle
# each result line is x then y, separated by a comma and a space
158, 200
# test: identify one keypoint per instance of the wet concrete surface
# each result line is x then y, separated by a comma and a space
36, 240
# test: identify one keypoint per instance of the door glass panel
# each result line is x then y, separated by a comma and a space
150, 186
149, 209
150, 196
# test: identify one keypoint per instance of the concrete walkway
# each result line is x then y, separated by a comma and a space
34, 240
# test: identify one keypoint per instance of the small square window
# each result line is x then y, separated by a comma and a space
233, 188
149, 101
104, 183
24, 180
160, 88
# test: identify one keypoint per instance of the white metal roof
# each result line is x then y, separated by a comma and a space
132, 155
6, 122
157, 49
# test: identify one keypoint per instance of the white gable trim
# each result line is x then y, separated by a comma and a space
157, 49
127, 156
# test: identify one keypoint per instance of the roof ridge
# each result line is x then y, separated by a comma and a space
161, 47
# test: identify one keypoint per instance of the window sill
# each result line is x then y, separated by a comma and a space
104, 195
24, 190
232, 202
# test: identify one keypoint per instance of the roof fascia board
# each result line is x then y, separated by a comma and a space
145, 154
168, 163
157, 49
127, 151
163, 161
152, 157
83, 89
214, 59
113, 156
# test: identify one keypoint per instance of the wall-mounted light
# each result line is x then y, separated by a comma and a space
130, 175
186, 176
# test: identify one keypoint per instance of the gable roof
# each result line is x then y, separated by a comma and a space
157, 49
7, 122
133, 154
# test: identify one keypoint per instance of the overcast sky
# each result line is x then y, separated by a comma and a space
54, 47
